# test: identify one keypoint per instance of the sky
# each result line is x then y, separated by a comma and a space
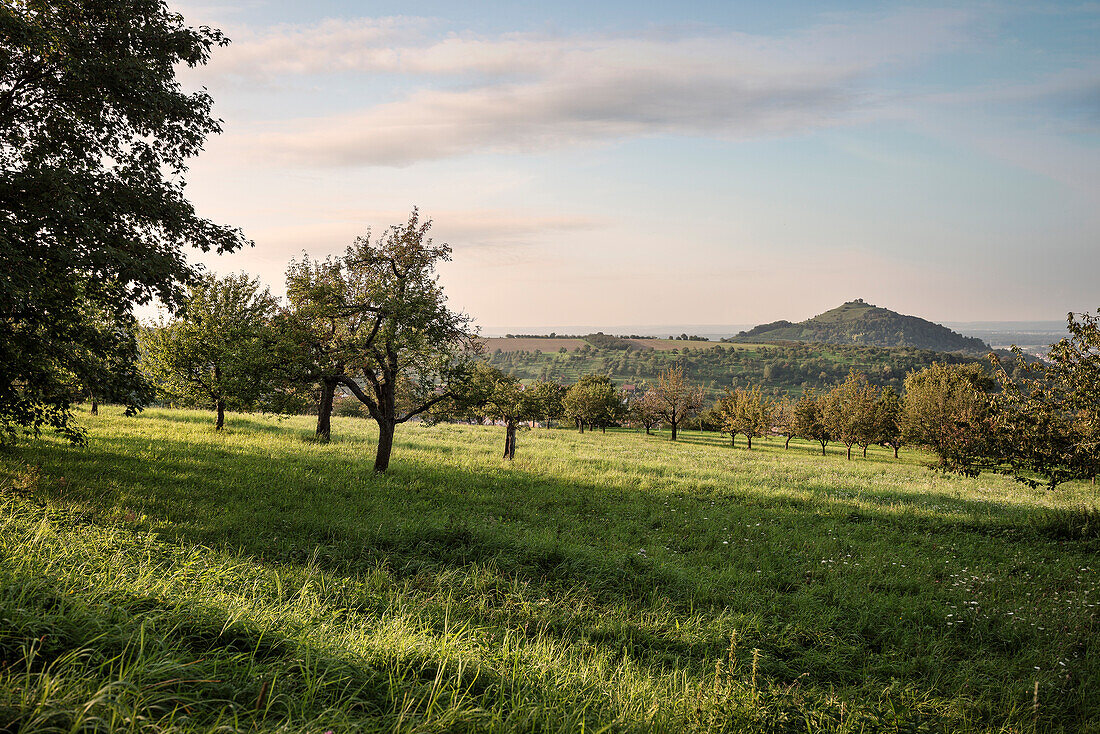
667, 163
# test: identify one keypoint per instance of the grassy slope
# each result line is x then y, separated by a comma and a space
168, 576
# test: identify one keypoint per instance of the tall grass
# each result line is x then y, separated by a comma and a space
168, 578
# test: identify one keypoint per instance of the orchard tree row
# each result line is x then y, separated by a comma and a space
1041, 423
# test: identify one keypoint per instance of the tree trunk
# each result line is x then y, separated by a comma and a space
510, 440
864, 452
895, 452
673, 431
750, 442
849, 452
324, 411
95, 406
385, 445
733, 439
823, 447
647, 431
580, 424
787, 445
220, 405
603, 429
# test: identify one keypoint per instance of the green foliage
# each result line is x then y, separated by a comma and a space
170, 578
1049, 412
601, 340
328, 325
888, 426
789, 368
488, 393
95, 132
850, 412
548, 400
593, 401
218, 353
376, 323
857, 322
810, 418
747, 412
948, 410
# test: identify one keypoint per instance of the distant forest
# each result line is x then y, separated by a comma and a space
780, 368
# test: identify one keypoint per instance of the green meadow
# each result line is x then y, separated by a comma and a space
169, 578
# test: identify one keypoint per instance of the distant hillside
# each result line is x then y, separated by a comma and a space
862, 323
790, 367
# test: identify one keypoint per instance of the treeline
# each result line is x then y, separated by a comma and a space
787, 368
1039, 423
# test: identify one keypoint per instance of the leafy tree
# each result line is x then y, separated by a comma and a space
332, 321
888, 428
747, 412
850, 412
510, 402
1050, 413
416, 351
548, 400
645, 411
810, 418
948, 409
593, 401
218, 353
784, 421
103, 362
676, 398
95, 132
708, 419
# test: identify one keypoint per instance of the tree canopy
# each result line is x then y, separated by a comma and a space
746, 412
948, 409
676, 398
95, 132
593, 401
1049, 430
219, 353
411, 350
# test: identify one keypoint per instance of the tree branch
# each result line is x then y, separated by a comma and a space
437, 399
372, 405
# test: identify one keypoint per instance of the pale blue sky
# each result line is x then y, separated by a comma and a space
630, 163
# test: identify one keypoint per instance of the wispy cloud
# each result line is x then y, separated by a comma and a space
526, 92
465, 230
551, 114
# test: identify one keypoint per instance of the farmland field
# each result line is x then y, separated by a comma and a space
166, 577
530, 344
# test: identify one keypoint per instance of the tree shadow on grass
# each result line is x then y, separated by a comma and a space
423, 515
427, 522
773, 446
184, 656
237, 422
